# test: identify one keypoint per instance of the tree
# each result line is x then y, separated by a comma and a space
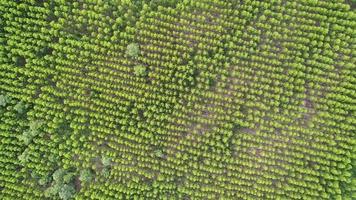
159, 153
44, 180
106, 172
68, 177
53, 190
3, 100
133, 50
24, 157
66, 192
58, 175
33, 131
85, 176
20, 107
62, 185
140, 70
106, 161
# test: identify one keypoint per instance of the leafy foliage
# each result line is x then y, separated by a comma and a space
203, 99
3, 100
133, 50
62, 185
33, 131
20, 107
159, 153
66, 192
106, 161
86, 176
140, 70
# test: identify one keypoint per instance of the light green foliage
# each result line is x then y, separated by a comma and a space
35, 125
20, 107
53, 190
86, 176
133, 50
105, 172
62, 185
3, 100
68, 177
34, 130
140, 70
106, 161
44, 180
25, 138
159, 153
58, 175
24, 157
66, 192
187, 99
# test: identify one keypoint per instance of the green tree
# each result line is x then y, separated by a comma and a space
106, 161
140, 70
44, 180
3, 100
58, 175
62, 185
66, 192
20, 107
106, 172
133, 50
159, 153
85, 176
53, 190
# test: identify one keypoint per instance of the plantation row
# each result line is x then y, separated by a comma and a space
177, 100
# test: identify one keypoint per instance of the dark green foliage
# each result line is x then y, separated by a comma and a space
19, 61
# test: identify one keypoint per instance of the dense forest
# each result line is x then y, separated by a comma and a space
177, 99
